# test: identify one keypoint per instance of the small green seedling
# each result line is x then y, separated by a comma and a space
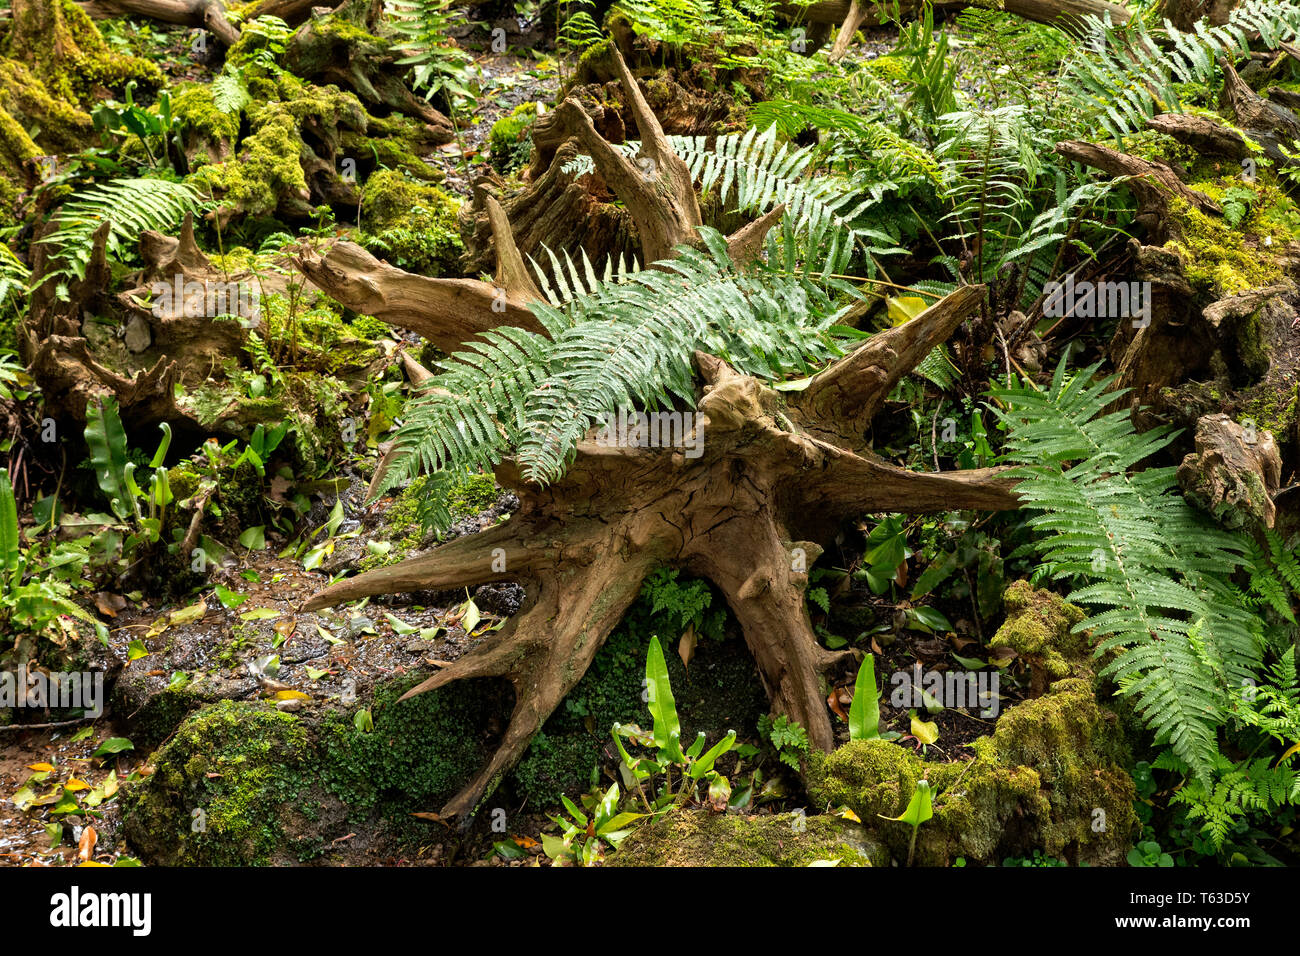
919, 809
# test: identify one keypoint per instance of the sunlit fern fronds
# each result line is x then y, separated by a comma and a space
756, 172
569, 280
131, 205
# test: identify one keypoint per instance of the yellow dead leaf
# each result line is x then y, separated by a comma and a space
926, 731
291, 695
848, 814
40, 767
904, 308
91, 863
75, 784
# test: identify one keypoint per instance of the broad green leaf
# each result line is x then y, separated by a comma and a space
229, 599
919, 809
113, 745
8, 526
663, 708
705, 764
864, 712
106, 439
469, 616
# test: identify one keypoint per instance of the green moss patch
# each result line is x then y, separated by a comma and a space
1050, 778
244, 784
700, 838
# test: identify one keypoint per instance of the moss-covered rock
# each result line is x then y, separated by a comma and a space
700, 838
411, 224
219, 788
509, 139
1050, 778
274, 787
1039, 628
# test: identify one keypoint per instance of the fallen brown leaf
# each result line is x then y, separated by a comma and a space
108, 603
686, 646
86, 845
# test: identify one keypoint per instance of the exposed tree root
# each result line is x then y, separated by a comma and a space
1154, 184
773, 478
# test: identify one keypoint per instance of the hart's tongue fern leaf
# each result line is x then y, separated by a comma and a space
1156, 570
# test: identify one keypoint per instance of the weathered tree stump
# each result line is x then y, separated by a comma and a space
775, 475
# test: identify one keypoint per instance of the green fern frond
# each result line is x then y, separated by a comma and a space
758, 173
1157, 570
131, 205
1125, 74
625, 342
567, 281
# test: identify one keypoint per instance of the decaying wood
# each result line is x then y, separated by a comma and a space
292, 12
558, 211
203, 14
766, 485
1202, 134
1235, 471
52, 345
1270, 124
657, 187
747, 499
447, 312
1154, 184
1183, 14
1287, 98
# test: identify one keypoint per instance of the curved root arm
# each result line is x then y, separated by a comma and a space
766, 593
544, 652
447, 312
205, 14
465, 562
840, 402
849, 480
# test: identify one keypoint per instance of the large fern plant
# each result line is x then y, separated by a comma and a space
1153, 571
1126, 74
625, 341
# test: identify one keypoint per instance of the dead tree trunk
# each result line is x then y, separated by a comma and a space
776, 476
204, 14
1183, 14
